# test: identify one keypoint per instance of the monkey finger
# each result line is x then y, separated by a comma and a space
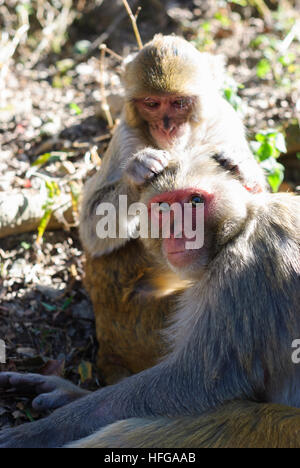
4, 380
54, 400
14, 380
155, 166
154, 158
138, 174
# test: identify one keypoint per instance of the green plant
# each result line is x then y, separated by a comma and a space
53, 192
204, 38
230, 91
267, 147
276, 57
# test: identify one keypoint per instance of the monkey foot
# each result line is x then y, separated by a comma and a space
52, 392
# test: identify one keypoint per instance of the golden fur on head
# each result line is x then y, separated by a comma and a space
170, 64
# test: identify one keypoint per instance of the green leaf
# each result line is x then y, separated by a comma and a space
265, 151
275, 172
41, 160
82, 47
49, 307
29, 415
287, 59
61, 81
228, 94
206, 26
263, 68
24, 6
85, 371
239, 2
25, 245
65, 65
224, 20
259, 40
75, 108
53, 191
260, 137
276, 179
67, 303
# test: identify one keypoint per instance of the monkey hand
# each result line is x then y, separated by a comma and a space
246, 169
145, 164
66, 424
53, 392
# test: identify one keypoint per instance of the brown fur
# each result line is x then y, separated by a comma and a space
128, 317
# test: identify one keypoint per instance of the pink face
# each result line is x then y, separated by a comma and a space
167, 116
174, 247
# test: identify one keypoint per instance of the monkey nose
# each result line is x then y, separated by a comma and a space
166, 122
167, 126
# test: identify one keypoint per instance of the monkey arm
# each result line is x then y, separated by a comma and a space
172, 388
106, 186
145, 393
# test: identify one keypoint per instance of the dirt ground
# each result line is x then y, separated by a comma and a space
50, 104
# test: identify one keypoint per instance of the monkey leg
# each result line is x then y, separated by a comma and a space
128, 319
52, 392
239, 424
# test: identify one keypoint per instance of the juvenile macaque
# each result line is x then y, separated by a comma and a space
232, 336
172, 99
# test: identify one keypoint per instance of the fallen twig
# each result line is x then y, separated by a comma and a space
104, 103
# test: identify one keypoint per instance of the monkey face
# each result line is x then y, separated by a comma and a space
167, 117
181, 216
198, 214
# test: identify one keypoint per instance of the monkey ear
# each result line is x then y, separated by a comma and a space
216, 67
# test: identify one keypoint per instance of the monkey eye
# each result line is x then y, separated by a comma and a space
148, 102
164, 206
197, 200
180, 103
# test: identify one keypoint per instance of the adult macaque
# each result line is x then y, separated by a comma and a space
233, 332
172, 99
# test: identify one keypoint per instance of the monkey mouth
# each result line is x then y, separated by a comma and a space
165, 134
